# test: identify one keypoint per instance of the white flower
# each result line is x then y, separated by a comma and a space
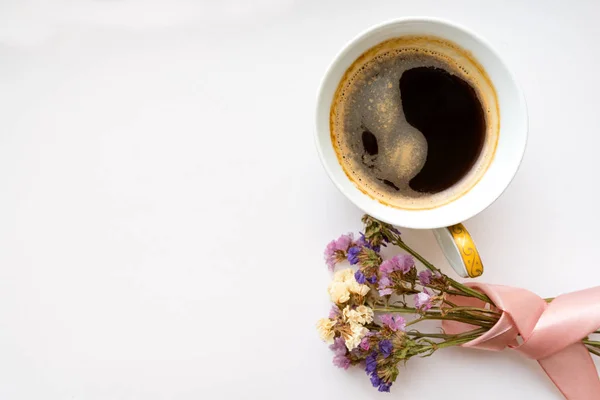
365, 314
353, 340
344, 275
349, 314
360, 315
338, 292
325, 329
343, 285
355, 287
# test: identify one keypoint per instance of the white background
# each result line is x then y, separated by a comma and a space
163, 211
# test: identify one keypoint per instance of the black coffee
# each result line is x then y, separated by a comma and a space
447, 111
408, 124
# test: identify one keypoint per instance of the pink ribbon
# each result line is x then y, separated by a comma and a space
549, 333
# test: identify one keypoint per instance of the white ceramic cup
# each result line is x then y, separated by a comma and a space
512, 135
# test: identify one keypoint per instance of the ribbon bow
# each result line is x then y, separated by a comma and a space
549, 333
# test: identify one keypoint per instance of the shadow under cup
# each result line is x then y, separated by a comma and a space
504, 156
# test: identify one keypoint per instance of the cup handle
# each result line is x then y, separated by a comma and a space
460, 250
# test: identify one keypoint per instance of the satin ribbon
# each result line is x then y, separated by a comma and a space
549, 333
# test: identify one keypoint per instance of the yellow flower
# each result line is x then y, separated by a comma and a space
338, 291
325, 329
344, 275
365, 314
357, 333
349, 314
355, 287
360, 315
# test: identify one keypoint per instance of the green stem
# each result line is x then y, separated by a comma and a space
461, 313
451, 304
457, 285
448, 336
399, 310
591, 342
483, 324
448, 343
414, 321
478, 320
430, 335
593, 351
477, 309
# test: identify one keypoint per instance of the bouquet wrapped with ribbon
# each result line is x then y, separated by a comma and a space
368, 324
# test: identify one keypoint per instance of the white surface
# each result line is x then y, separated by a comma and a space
134, 267
507, 145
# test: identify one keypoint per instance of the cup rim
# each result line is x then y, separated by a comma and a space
422, 223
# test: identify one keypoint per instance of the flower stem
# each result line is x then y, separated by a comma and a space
457, 285
594, 343
483, 324
430, 335
448, 343
399, 310
593, 351
461, 314
477, 309
447, 335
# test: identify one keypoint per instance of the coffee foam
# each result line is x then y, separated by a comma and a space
371, 86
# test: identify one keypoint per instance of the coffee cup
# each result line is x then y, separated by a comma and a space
502, 153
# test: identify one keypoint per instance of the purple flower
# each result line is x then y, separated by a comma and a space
401, 262
343, 242
423, 301
371, 363
404, 262
387, 267
384, 387
425, 277
384, 284
385, 347
364, 344
385, 281
375, 380
330, 256
372, 279
338, 346
363, 242
395, 323
334, 312
353, 255
360, 277
341, 361
336, 250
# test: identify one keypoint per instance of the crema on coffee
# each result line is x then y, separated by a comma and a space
415, 122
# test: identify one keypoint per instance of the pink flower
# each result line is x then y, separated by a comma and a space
425, 277
330, 256
338, 346
343, 242
364, 344
423, 301
341, 361
404, 262
336, 250
334, 312
384, 286
395, 323
401, 262
387, 267
385, 281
